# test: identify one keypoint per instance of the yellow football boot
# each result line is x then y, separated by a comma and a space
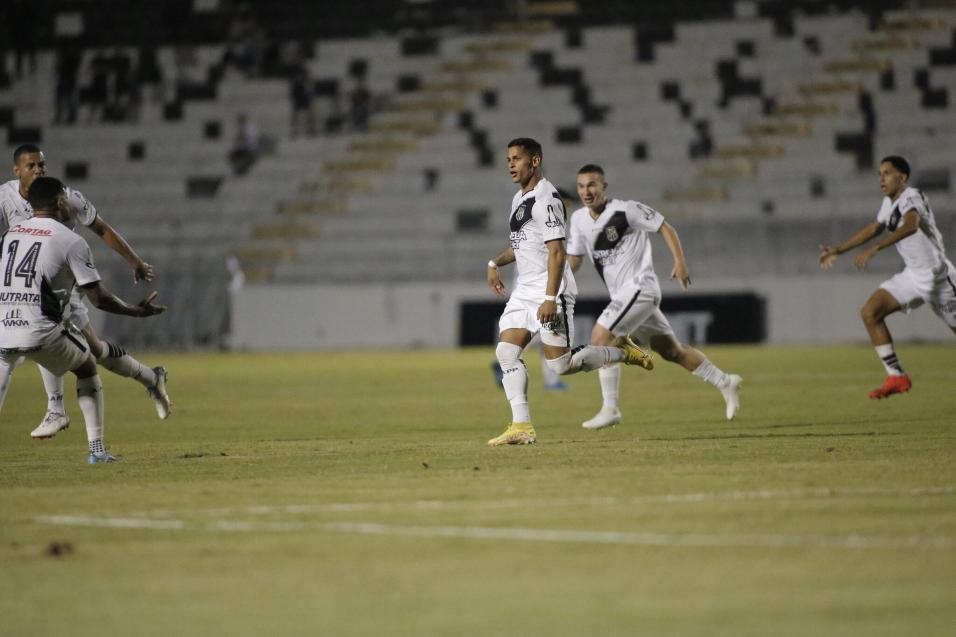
517, 433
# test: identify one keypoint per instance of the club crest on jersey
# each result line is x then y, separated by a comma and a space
611, 233
519, 213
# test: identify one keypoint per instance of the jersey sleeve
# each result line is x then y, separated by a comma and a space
549, 215
577, 242
83, 211
80, 259
912, 199
643, 217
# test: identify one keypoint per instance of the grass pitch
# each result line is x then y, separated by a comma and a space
353, 494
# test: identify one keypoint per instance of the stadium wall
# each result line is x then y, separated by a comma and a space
799, 310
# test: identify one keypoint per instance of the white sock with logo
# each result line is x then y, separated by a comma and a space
889, 359
514, 379
54, 386
710, 373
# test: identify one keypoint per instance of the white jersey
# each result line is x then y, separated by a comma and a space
922, 251
40, 262
15, 208
537, 217
618, 245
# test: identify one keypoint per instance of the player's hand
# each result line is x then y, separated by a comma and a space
682, 274
142, 271
828, 256
863, 257
494, 282
147, 308
547, 312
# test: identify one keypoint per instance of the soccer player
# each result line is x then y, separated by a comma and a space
41, 261
543, 298
29, 163
927, 276
612, 233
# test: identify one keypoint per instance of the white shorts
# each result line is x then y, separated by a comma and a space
523, 315
636, 314
912, 291
61, 353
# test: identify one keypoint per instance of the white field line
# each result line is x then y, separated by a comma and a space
524, 534
516, 503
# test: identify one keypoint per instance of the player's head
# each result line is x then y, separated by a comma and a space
524, 160
28, 164
894, 175
47, 195
592, 186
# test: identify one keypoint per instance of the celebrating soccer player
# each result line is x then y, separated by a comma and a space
612, 233
927, 276
543, 298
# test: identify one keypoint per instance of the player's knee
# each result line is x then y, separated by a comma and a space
507, 354
671, 352
870, 315
560, 365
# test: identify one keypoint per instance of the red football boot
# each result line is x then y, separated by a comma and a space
892, 385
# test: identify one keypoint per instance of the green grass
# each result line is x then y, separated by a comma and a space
767, 548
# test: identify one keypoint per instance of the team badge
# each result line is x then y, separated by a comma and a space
519, 214
611, 233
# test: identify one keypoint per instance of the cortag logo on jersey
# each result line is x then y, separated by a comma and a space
34, 232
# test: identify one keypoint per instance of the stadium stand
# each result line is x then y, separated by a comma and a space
749, 124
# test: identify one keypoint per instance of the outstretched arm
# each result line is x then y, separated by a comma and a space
103, 299
908, 225
680, 271
142, 271
829, 254
494, 276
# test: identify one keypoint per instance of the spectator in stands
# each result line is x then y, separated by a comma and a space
149, 73
300, 94
120, 72
245, 150
96, 94
360, 105
68, 59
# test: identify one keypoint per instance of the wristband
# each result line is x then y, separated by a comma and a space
492, 264
550, 297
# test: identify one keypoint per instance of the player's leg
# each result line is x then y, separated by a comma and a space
514, 379
882, 303
549, 377
619, 319
556, 342
694, 361
114, 358
89, 395
8, 363
56, 417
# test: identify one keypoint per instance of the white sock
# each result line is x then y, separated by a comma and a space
6, 372
89, 394
122, 364
710, 373
890, 362
591, 357
610, 377
514, 379
54, 386
549, 376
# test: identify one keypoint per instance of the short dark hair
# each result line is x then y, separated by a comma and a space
530, 145
23, 150
898, 163
43, 193
591, 168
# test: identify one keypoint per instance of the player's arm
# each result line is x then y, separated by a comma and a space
494, 276
909, 224
575, 261
103, 299
679, 271
829, 254
557, 255
142, 271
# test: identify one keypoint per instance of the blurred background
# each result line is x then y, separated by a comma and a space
319, 175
